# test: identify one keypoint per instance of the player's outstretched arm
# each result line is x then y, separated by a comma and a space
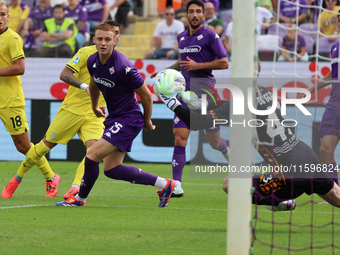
67, 76
146, 100
18, 68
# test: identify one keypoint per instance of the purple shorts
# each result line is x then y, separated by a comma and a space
330, 123
121, 132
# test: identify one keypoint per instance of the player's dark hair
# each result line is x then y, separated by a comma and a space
197, 2
112, 23
58, 6
104, 27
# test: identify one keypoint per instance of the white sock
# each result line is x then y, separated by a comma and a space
178, 184
160, 183
76, 185
80, 199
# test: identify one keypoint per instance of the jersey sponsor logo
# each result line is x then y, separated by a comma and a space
105, 82
200, 37
190, 49
127, 69
182, 38
76, 60
112, 70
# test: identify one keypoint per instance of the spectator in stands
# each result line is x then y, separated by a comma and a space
98, 11
327, 21
33, 27
216, 3
18, 13
58, 35
263, 18
314, 12
78, 13
164, 41
289, 51
288, 12
122, 12
211, 21
181, 14
267, 4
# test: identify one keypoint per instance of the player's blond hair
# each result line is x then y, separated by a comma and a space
3, 2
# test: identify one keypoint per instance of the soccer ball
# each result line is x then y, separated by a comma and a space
170, 82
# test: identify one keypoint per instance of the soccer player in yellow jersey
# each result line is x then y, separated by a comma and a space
12, 104
75, 115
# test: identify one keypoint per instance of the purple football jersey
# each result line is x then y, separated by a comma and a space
94, 8
77, 14
38, 16
290, 45
203, 46
117, 79
288, 9
334, 101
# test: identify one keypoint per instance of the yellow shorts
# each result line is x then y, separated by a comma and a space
66, 124
14, 119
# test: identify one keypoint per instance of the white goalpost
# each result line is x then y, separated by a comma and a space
241, 138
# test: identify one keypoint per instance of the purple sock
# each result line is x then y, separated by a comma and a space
223, 146
131, 174
178, 162
334, 173
91, 174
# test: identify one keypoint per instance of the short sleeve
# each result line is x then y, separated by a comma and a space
217, 46
16, 48
78, 61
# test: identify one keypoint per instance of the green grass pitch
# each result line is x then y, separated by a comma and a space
123, 218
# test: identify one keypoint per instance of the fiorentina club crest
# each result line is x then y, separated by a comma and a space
111, 70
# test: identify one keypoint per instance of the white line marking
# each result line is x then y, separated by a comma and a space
19, 206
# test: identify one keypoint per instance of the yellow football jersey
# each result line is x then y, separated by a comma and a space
77, 100
11, 49
17, 14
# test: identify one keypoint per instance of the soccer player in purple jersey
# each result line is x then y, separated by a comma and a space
201, 51
329, 130
275, 190
118, 80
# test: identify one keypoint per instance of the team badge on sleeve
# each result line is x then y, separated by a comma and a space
76, 60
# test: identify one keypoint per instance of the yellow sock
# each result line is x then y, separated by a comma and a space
36, 155
80, 172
